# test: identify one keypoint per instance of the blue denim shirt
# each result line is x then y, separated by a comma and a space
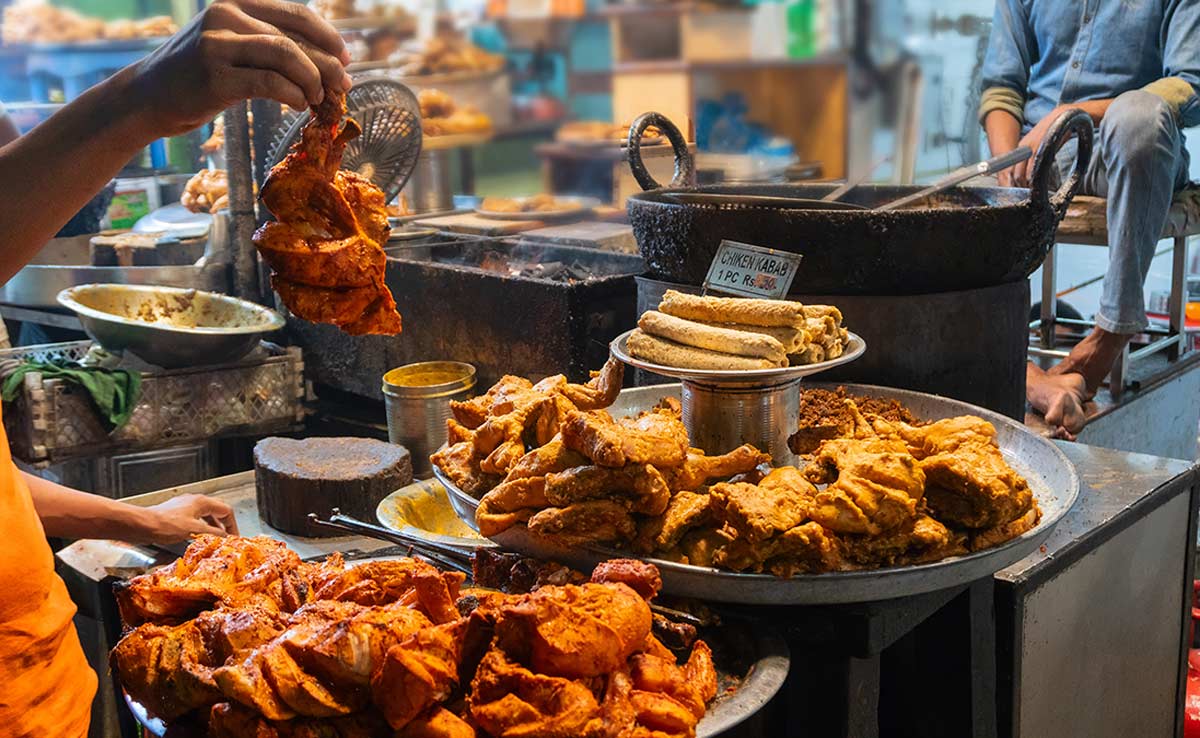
1052, 52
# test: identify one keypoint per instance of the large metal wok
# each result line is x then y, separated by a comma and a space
1051, 477
965, 237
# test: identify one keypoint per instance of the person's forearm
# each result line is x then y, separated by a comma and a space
103, 129
1003, 132
69, 513
1094, 108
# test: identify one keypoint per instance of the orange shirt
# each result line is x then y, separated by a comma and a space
46, 685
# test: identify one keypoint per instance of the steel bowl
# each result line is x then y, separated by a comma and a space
170, 327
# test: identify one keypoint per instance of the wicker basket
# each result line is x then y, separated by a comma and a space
53, 420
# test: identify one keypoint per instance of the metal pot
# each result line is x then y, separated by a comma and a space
969, 237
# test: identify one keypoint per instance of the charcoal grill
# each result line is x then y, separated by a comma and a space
967, 237
506, 306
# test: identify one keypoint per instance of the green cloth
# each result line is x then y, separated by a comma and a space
114, 392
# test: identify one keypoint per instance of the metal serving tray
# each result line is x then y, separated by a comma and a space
1051, 477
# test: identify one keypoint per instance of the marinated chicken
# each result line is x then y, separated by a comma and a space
392, 647
325, 248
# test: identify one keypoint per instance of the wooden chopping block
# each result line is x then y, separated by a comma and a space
296, 477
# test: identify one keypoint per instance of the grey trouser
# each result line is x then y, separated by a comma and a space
1138, 164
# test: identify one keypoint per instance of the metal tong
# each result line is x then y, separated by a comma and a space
447, 555
451, 556
962, 174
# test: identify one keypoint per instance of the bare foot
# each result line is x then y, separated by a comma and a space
1092, 358
1059, 398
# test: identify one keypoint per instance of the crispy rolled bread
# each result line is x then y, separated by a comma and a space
793, 339
642, 345
713, 338
733, 310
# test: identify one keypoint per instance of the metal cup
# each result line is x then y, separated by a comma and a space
418, 403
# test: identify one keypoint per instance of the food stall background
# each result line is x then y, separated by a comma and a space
529, 97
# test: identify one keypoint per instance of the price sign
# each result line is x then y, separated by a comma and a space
752, 271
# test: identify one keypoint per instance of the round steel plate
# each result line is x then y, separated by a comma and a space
781, 375
1051, 477
573, 206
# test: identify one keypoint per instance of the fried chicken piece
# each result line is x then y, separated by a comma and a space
782, 500
461, 464
550, 458
988, 537
968, 482
974, 487
599, 392
699, 546
807, 548
368, 203
435, 103
387, 581
874, 486
216, 570
474, 412
418, 673
510, 503
593, 521
509, 701
639, 576
231, 720
640, 487
685, 511
656, 437
207, 191
322, 664
940, 437
577, 632
699, 469
923, 540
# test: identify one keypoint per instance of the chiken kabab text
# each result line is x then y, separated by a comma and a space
883, 493
325, 246
728, 333
243, 635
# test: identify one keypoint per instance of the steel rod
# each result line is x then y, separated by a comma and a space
241, 203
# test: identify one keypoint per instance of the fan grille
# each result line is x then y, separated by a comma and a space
387, 150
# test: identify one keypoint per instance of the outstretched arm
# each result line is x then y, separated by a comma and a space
69, 513
233, 50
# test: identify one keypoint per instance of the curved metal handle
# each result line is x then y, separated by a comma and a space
1071, 122
685, 169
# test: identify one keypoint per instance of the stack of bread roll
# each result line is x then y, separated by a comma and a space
727, 333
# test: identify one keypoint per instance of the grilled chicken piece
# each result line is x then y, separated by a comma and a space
699, 469
508, 699
639, 576
407, 581
322, 664
574, 631
655, 437
640, 487
326, 248
216, 570
419, 674
168, 669
231, 720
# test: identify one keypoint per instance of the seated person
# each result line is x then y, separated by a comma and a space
1135, 69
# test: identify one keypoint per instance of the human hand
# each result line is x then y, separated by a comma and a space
182, 517
1019, 174
234, 50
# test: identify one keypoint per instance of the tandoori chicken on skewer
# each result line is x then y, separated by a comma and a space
325, 247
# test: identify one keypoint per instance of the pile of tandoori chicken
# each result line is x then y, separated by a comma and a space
326, 245
880, 492
242, 635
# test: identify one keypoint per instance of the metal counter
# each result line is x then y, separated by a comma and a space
1089, 637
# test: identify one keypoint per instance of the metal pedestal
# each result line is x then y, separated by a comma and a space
719, 418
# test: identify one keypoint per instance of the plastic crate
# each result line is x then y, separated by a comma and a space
52, 420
